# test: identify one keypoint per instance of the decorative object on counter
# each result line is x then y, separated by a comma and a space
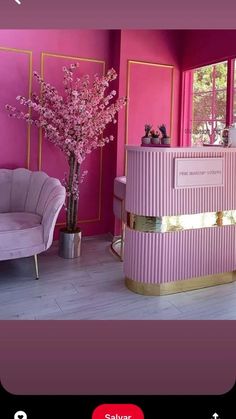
165, 139
229, 136
147, 128
225, 136
232, 135
75, 123
146, 139
155, 137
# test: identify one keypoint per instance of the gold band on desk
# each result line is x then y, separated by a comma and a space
172, 223
180, 286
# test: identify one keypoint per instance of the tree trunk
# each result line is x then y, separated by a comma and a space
75, 201
72, 207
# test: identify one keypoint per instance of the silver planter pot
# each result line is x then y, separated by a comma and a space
146, 140
155, 140
166, 140
69, 244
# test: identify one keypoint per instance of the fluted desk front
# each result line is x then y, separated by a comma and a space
181, 218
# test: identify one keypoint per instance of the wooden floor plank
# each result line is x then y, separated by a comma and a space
92, 287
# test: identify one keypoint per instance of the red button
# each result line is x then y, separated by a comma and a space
118, 411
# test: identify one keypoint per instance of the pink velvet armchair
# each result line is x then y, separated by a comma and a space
29, 206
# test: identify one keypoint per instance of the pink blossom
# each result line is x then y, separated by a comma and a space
74, 122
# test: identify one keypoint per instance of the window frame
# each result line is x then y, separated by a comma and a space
187, 95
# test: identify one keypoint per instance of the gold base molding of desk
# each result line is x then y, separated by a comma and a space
180, 286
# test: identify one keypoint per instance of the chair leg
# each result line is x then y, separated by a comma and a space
122, 230
36, 266
112, 247
121, 239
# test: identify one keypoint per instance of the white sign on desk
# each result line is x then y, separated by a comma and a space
199, 172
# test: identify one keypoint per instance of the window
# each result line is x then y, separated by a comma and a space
208, 102
234, 95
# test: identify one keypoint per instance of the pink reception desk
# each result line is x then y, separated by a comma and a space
181, 218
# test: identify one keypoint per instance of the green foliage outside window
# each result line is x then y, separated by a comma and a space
209, 102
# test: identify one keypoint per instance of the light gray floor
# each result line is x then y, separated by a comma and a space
92, 287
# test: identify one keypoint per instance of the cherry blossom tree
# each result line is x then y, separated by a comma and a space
74, 122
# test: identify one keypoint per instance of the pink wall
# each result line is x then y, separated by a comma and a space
95, 199
21, 148
201, 47
153, 46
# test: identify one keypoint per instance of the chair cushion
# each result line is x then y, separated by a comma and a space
120, 187
10, 221
20, 234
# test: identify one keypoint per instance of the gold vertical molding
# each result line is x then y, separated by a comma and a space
100, 186
129, 62
30, 53
101, 163
30, 111
40, 144
127, 113
172, 103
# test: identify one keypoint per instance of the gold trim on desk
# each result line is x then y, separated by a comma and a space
129, 62
180, 286
92, 60
171, 223
30, 53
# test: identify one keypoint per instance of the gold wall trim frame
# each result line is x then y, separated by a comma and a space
180, 286
30, 53
42, 66
147, 63
171, 223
